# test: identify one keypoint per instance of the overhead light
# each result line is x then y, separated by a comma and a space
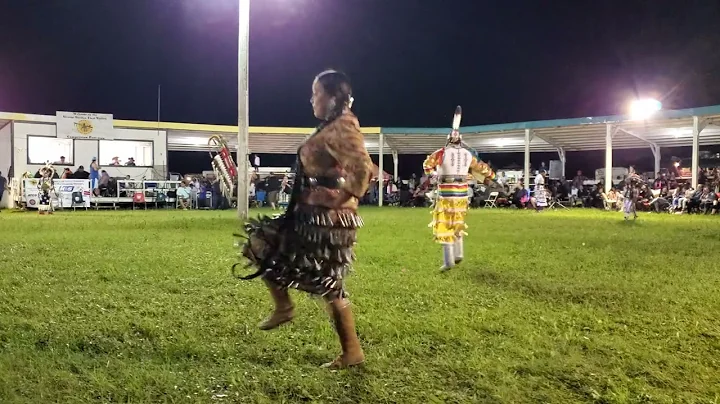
644, 108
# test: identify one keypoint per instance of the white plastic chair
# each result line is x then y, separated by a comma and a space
492, 198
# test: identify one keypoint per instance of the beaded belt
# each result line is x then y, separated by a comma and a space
326, 182
451, 180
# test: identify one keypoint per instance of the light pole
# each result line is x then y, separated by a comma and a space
243, 118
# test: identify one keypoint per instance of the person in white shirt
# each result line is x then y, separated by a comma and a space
540, 197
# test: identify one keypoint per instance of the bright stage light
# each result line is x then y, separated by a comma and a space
645, 108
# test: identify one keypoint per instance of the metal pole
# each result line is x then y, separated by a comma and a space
657, 157
608, 156
526, 161
396, 162
243, 120
695, 152
381, 168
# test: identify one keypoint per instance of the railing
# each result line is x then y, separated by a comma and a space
139, 193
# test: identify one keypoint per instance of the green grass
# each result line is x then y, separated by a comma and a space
567, 306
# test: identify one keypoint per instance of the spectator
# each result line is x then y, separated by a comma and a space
94, 175
611, 200
273, 187
81, 174
661, 203
660, 181
579, 180
183, 195
707, 201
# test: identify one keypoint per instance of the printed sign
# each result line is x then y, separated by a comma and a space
63, 196
84, 125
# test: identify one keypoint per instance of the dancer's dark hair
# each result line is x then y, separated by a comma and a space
337, 85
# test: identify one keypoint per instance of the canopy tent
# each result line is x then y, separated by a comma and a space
666, 128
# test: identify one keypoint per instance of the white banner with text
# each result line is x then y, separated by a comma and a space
84, 125
67, 193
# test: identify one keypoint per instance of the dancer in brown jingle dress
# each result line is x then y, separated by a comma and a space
310, 246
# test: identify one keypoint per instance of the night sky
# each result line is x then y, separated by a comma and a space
411, 61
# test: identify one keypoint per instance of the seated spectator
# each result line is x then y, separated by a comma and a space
707, 201
102, 189
661, 203
520, 198
81, 174
418, 197
686, 197
611, 199
183, 195
693, 203
677, 195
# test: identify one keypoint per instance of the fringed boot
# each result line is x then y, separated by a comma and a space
448, 256
284, 308
352, 353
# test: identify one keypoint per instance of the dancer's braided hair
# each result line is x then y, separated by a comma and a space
337, 85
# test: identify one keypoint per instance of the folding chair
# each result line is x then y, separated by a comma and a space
609, 204
78, 200
260, 198
554, 202
138, 198
492, 198
160, 198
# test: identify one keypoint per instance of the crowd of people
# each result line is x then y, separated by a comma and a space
665, 193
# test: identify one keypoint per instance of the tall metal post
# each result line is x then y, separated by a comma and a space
526, 160
381, 168
608, 156
396, 162
695, 151
243, 118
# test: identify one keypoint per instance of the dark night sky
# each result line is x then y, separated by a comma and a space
411, 61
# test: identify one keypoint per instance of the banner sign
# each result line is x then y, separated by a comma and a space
84, 125
62, 197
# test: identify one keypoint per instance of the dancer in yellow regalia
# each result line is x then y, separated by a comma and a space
451, 165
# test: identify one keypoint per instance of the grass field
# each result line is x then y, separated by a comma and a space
567, 306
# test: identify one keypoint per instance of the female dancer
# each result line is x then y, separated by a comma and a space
452, 164
45, 186
633, 182
540, 197
310, 246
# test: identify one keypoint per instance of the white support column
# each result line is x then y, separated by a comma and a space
563, 160
381, 154
526, 165
656, 154
395, 164
695, 151
608, 156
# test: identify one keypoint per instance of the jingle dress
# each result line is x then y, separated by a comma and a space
310, 246
540, 192
453, 164
631, 194
45, 185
